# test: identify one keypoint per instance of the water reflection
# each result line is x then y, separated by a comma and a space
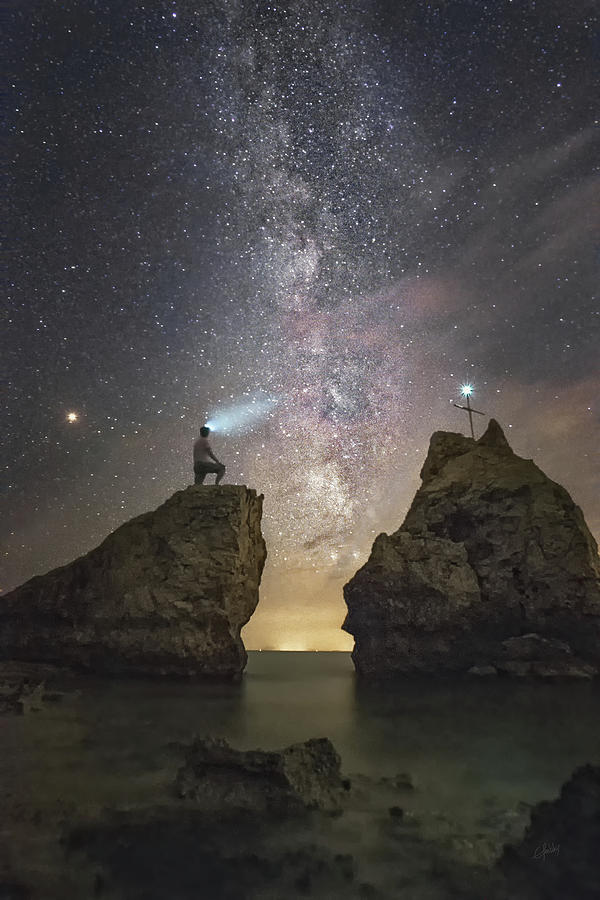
466, 742
459, 740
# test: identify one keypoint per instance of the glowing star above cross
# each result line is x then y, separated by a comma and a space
466, 391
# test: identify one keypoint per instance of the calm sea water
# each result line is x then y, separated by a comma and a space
468, 746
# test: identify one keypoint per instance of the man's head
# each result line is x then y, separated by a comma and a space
205, 431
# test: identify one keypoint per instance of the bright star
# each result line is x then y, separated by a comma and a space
72, 417
466, 390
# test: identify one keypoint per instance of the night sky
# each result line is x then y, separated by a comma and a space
330, 214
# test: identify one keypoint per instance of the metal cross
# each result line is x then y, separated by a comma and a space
466, 390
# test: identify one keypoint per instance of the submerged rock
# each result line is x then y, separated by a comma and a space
166, 594
13, 890
303, 776
182, 853
227, 835
24, 698
483, 671
493, 566
558, 856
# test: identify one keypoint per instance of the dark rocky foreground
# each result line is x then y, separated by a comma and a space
558, 856
256, 824
166, 594
243, 853
303, 776
493, 571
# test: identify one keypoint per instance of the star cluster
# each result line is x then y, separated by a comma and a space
350, 208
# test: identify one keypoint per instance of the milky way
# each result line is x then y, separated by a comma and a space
341, 211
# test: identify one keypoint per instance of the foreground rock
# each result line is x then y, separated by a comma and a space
165, 853
226, 836
302, 776
493, 570
166, 594
558, 856
23, 699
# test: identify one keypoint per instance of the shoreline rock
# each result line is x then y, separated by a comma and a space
558, 855
166, 594
493, 566
243, 825
302, 776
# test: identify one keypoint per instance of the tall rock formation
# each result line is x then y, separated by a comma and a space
166, 594
493, 570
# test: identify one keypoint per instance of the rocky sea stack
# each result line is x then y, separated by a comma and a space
493, 571
166, 594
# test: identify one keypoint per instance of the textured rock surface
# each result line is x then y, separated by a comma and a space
493, 566
558, 856
165, 594
183, 854
302, 776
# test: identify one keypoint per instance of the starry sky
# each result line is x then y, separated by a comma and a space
329, 214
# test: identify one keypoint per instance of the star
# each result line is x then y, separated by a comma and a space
270, 220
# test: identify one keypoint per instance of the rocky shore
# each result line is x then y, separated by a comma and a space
493, 571
258, 824
166, 594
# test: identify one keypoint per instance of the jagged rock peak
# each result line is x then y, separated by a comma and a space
445, 445
494, 437
167, 593
493, 570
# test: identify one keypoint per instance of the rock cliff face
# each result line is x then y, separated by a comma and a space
558, 855
493, 570
166, 594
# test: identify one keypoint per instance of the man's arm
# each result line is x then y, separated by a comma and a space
212, 456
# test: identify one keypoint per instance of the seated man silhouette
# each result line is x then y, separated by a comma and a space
205, 460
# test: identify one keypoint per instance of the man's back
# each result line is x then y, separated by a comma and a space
205, 460
202, 451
